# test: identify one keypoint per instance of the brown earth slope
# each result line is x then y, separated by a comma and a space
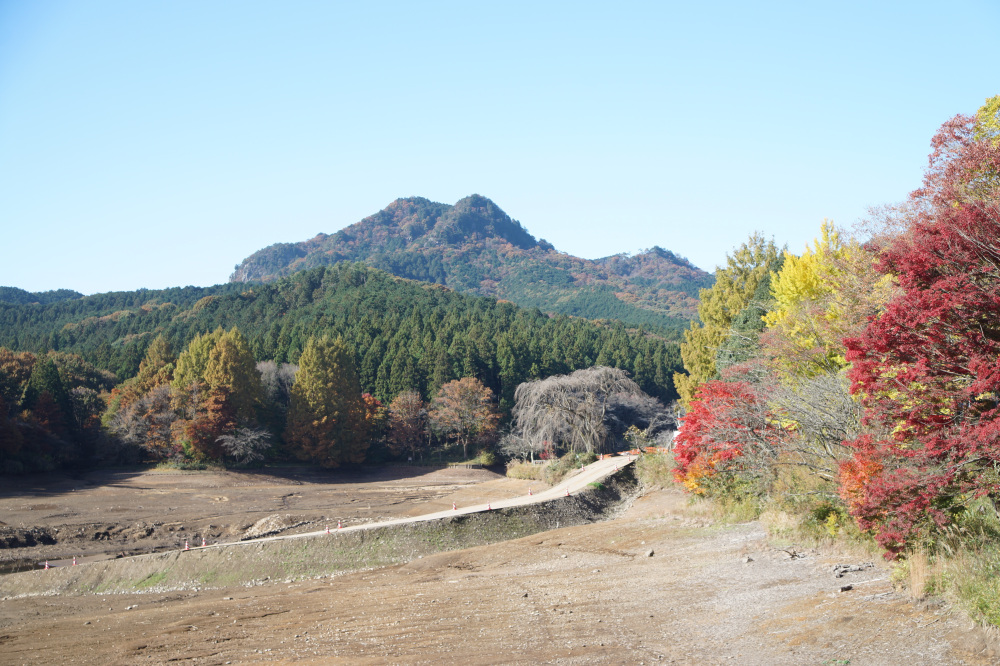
657, 585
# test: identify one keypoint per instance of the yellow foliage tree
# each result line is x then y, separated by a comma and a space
327, 416
192, 362
231, 366
987, 125
821, 297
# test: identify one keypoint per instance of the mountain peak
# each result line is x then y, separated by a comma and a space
476, 218
474, 246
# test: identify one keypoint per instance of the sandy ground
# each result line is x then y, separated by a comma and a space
657, 585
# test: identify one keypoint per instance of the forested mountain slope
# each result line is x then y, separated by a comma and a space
407, 335
477, 248
20, 296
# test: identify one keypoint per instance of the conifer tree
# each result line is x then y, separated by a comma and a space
231, 365
15, 370
326, 418
156, 369
192, 362
45, 379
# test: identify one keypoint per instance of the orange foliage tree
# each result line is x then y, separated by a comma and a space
464, 410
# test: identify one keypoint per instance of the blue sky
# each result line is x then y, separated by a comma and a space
156, 144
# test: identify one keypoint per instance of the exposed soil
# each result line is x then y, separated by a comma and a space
113, 514
659, 584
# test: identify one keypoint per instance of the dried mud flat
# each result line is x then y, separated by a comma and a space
657, 585
107, 514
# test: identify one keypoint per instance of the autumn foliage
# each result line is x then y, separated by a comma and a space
878, 370
464, 409
928, 369
729, 428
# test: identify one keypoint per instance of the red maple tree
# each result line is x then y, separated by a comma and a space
928, 368
728, 427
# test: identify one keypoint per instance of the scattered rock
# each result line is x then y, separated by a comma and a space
649, 553
840, 569
846, 588
747, 560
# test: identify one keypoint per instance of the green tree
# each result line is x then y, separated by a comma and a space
45, 380
734, 287
326, 417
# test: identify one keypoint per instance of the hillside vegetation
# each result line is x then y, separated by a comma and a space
226, 371
477, 248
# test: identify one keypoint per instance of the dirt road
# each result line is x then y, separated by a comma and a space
593, 473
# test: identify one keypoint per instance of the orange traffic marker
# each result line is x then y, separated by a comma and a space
327, 529
529, 492
454, 507
186, 546
340, 525
46, 564
567, 492
74, 560
489, 507
203, 542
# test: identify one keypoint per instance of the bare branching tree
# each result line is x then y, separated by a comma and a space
146, 422
276, 381
641, 412
246, 445
825, 415
568, 409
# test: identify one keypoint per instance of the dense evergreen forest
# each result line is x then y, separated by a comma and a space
21, 297
393, 336
405, 334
